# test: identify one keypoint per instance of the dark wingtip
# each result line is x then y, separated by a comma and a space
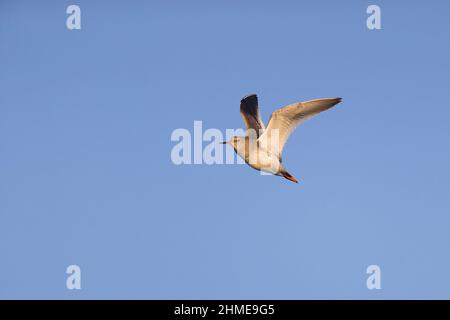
250, 96
335, 101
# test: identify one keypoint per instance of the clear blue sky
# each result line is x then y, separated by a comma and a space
85, 170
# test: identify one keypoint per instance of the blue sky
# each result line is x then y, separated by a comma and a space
86, 176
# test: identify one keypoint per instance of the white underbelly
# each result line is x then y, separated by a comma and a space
261, 160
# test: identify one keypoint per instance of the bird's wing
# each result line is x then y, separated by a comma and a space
283, 121
250, 114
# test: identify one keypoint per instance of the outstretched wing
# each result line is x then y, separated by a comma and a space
250, 114
283, 121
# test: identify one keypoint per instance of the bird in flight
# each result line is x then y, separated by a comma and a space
261, 147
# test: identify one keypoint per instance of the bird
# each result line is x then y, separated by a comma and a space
261, 147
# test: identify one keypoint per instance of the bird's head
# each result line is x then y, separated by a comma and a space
234, 141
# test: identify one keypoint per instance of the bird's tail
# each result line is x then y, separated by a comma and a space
288, 176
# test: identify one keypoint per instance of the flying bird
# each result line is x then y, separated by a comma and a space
262, 147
